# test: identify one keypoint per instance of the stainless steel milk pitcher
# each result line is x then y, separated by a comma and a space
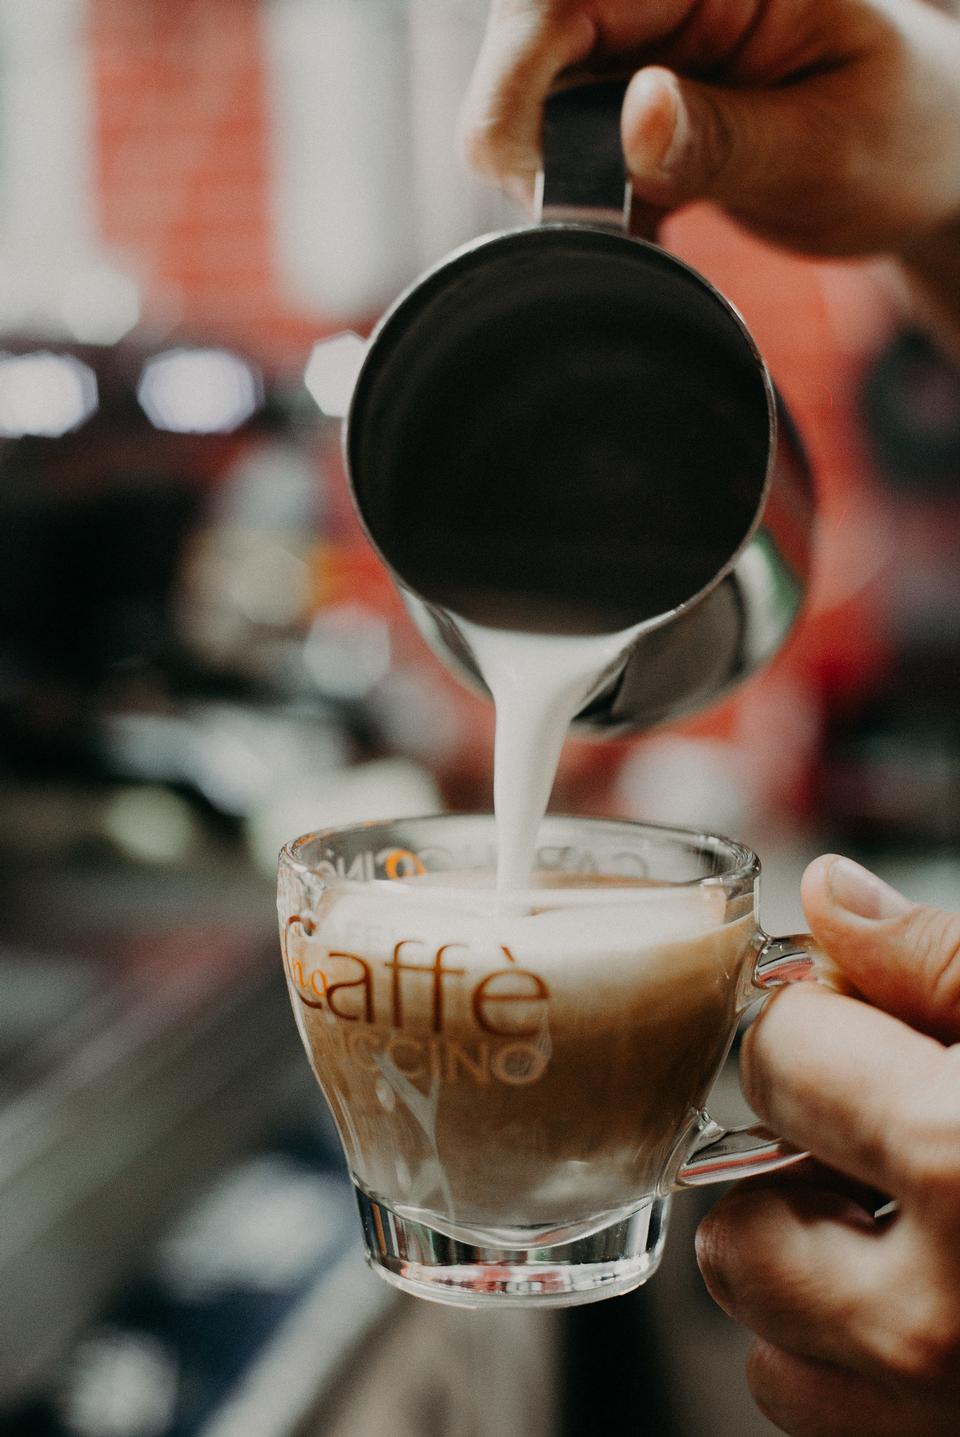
563, 428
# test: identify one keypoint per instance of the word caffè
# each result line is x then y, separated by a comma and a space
423, 1008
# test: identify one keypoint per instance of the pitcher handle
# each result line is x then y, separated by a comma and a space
584, 178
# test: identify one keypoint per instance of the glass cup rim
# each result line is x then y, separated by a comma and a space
737, 874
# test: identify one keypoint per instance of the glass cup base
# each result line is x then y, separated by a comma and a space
606, 1261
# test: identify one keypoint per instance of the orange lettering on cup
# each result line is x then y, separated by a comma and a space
294, 966
537, 992
401, 863
305, 922
398, 967
364, 982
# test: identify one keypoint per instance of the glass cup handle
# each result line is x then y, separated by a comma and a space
720, 1154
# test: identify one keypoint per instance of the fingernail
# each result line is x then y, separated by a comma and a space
862, 893
660, 138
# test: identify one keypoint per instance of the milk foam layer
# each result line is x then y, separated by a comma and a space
564, 928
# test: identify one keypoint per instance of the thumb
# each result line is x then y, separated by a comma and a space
904, 957
684, 141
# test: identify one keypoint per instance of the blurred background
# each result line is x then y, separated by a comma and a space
200, 658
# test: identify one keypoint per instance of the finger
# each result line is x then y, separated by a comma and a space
903, 956
807, 1269
808, 1398
808, 1173
524, 50
857, 1088
764, 153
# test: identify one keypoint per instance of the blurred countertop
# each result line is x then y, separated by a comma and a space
146, 1054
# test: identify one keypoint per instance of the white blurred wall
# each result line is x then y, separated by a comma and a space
47, 223
368, 186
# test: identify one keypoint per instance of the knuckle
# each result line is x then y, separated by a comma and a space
490, 124
761, 1042
926, 1352
787, 1393
765, 1380
717, 142
478, 146
926, 1136
934, 937
490, 149
931, 1169
751, 1064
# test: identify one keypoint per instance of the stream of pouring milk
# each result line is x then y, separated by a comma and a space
539, 683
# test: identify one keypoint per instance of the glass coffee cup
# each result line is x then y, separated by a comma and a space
518, 1078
